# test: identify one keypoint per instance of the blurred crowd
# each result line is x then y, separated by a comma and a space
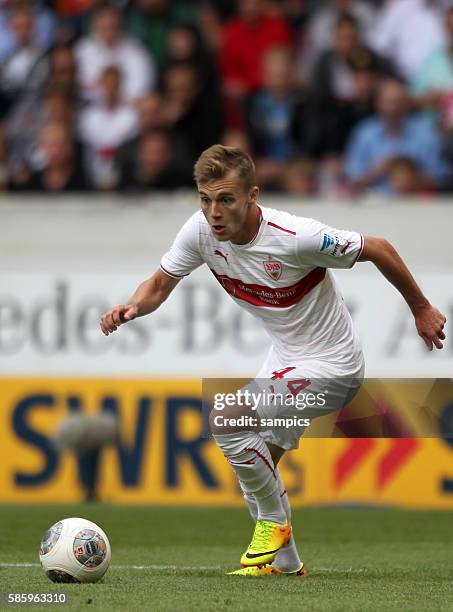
331, 97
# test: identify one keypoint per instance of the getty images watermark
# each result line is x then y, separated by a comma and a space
262, 402
345, 407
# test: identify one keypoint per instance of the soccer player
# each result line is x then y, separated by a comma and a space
276, 266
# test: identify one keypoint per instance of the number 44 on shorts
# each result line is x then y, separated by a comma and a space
294, 386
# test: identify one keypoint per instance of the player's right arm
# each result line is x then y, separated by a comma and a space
183, 258
147, 298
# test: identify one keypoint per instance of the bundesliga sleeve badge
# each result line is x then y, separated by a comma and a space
333, 245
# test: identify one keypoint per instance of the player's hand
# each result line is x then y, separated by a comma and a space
113, 318
430, 326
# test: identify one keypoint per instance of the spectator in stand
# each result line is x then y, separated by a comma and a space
270, 115
185, 44
73, 16
59, 105
56, 105
245, 41
300, 178
151, 21
63, 68
407, 32
237, 139
150, 118
317, 34
105, 126
108, 46
432, 85
334, 74
366, 75
149, 110
154, 167
343, 91
432, 89
212, 14
194, 119
446, 125
271, 109
224, 9
61, 172
341, 95
43, 33
295, 12
17, 66
407, 179
52, 84
57, 67
393, 132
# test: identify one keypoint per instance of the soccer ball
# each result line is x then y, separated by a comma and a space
75, 550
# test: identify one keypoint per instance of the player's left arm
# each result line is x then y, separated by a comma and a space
428, 320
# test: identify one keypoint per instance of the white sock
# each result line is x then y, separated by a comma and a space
251, 504
250, 458
287, 558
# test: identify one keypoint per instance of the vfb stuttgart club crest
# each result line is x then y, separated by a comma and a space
273, 268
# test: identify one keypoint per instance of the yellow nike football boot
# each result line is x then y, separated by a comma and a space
267, 540
267, 570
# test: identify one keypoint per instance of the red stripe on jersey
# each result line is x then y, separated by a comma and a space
260, 295
281, 228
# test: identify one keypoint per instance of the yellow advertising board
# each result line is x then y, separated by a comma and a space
163, 457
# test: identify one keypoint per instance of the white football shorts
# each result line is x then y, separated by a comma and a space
291, 395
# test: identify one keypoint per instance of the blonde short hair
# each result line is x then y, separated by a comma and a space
218, 161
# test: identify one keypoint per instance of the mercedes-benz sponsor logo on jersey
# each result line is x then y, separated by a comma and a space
273, 268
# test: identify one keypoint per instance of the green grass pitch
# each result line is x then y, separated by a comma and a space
358, 559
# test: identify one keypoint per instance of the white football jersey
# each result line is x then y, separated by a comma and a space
282, 277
